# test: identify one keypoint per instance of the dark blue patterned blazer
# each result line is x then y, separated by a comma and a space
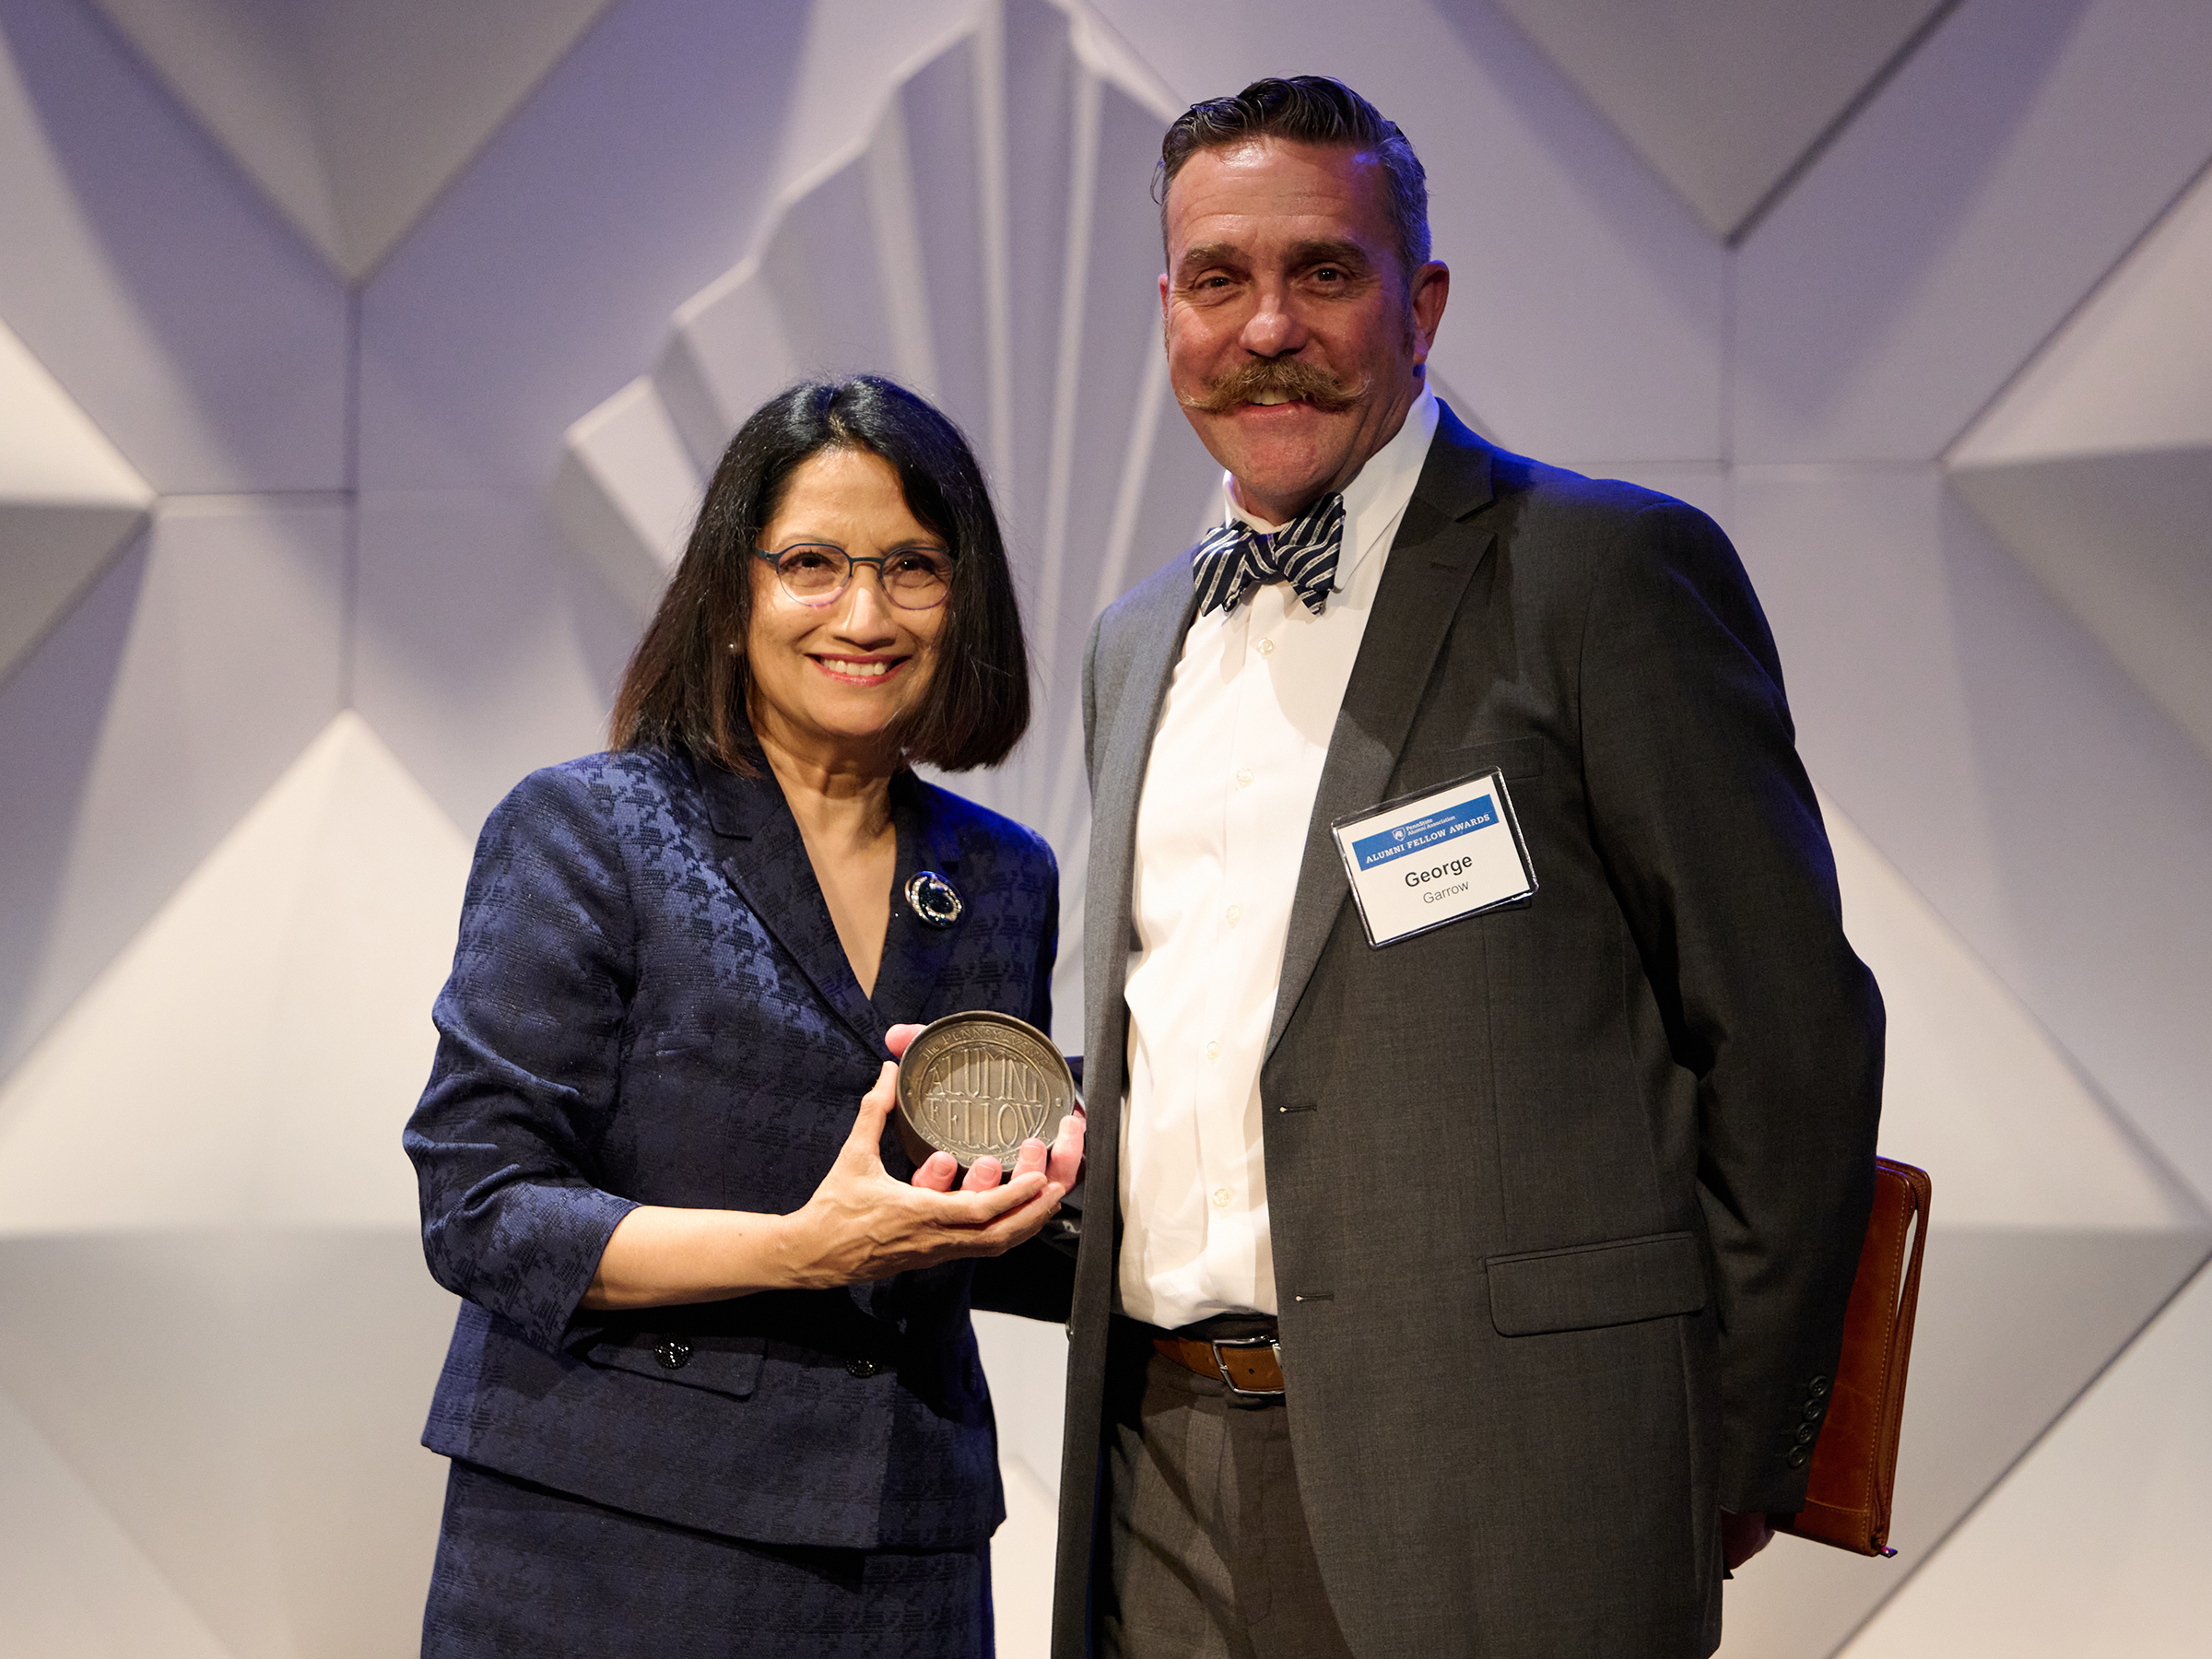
649, 1004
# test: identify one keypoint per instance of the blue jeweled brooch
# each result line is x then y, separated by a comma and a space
931, 897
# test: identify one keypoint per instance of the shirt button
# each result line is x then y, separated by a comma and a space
1213, 1051
1233, 913
1243, 776
1266, 647
1221, 1197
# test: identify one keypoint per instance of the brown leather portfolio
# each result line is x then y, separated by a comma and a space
1855, 1460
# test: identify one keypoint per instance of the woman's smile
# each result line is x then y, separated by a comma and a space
860, 671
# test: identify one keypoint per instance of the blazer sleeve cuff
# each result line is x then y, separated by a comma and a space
558, 1235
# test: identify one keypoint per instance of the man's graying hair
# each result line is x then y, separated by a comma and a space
1309, 109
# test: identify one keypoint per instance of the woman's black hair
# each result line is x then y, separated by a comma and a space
686, 685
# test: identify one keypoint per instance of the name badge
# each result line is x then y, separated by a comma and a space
1423, 860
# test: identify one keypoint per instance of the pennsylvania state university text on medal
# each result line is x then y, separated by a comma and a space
978, 1085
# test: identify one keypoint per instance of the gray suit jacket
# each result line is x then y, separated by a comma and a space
1566, 1199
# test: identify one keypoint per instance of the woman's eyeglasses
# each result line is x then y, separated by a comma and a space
912, 578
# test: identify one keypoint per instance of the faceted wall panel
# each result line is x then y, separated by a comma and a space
68, 500
1725, 98
1959, 219
202, 1208
173, 304
2093, 1547
2095, 466
146, 720
2119, 540
2009, 769
359, 368
55, 1532
352, 115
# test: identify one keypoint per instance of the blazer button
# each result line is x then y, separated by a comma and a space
1796, 1459
1816, 1387
862, 1367
674, 1353
1806, 1434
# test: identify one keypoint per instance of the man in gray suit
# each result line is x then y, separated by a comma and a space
1463, 1279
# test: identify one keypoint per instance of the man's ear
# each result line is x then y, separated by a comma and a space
1431, 288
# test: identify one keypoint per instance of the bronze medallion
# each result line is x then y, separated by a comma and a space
978, 1085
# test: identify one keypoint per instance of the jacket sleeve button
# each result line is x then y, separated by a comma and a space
1816, 1387
1796, 1459
1813, 1408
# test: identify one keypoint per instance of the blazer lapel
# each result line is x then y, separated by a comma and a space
759, 849
914, 953
1162, 612
1431, 561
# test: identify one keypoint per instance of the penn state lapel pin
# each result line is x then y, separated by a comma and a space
931, 897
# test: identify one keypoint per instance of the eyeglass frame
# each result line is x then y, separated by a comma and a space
852, 561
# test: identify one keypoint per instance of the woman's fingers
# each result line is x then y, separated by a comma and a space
1022, 1222
938, 1172
973, 1209
1066, 1165
899, 1036
1015, 1224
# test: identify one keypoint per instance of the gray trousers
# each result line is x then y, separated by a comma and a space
1207, 1550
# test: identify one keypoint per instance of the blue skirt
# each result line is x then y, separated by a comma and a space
523, 1570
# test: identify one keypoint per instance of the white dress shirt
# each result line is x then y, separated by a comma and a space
1220, 831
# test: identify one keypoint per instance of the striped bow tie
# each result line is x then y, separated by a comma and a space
1234, 558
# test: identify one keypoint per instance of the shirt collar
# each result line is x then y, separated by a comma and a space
1377, 495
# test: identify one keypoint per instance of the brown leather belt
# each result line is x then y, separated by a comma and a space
1252, 1366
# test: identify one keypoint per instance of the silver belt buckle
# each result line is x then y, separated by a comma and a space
1246, 1342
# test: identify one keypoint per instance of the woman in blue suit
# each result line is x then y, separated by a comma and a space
713, 1388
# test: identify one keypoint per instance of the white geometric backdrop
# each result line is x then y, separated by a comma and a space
359, 365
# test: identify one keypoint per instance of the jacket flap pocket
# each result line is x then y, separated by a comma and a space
1585, 1286
721, 1364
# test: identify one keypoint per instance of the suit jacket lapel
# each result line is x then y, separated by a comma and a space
914, 953
762, 853
1430, 562
1163, 608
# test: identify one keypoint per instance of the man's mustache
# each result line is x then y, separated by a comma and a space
1277, 377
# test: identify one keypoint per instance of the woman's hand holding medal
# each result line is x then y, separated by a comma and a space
863, 1224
